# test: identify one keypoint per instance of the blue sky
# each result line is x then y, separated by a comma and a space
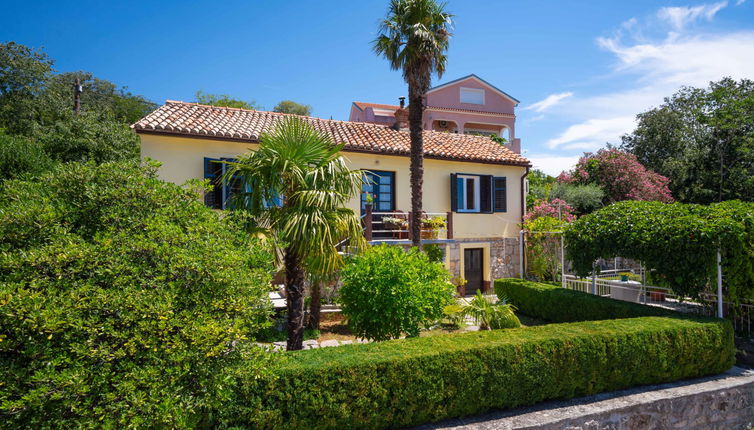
582, 69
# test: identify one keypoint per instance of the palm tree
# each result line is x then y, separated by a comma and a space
414, 38
305, 168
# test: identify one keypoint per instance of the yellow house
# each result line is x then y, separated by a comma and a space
473, 186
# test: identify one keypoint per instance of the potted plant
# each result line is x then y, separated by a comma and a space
431, 227
656, 295
460, 283
393, 223
624, 276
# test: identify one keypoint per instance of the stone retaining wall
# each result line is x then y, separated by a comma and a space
723, 402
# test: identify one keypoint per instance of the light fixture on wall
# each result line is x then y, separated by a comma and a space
444, 124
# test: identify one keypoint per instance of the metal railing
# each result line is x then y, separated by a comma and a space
395, 225
741, 315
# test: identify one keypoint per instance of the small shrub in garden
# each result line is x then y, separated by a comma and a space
124, 302
387, 292
489, 315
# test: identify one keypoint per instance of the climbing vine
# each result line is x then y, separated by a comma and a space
677, 241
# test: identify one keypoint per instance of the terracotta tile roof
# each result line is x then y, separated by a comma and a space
193, 119
508, 115
364, 105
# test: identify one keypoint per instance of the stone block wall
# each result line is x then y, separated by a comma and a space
504, 256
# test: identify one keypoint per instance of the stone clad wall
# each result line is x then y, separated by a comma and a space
504, 256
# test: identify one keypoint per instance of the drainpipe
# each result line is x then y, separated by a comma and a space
521, 240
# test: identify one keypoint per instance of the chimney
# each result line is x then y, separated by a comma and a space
401, 119
403, 101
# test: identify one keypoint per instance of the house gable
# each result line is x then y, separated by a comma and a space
471, 93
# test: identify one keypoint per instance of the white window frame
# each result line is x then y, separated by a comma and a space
461, 205
471, 91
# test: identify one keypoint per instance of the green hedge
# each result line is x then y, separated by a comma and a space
412, 381
557, 304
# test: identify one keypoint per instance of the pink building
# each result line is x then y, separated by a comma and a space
469, 105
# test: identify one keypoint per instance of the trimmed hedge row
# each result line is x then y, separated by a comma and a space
557, 304
412, 381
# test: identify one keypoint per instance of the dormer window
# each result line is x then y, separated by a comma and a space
472, 96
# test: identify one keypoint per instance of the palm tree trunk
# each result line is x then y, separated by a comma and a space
415, 111
316, 305
294, 293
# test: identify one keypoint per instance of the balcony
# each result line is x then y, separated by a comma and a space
393, 227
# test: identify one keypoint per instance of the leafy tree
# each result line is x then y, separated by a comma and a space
583, 198
289, 106
99, 96
33, 97
703, 140
305, 167
124, 302
23, 73
387, 292
225, 100
540, 184
414, 39
88, 137
38, 104
620, 175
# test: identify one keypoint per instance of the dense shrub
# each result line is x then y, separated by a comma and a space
583, 198
124, 302
620, 175
20, 156
556, 304
88, 137
388, 291
678, 242
412, 381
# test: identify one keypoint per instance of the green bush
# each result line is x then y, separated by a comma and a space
20, 156
388, 291
557, 304
408, 382
124, 302
489, 315
677, 242
583, 198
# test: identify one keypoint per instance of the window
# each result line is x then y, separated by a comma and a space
220, 197
472, 95
500, 194
381, 185
467, 193
477, 193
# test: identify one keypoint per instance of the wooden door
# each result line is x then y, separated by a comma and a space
473, 264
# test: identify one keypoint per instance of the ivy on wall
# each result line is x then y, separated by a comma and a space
679, 242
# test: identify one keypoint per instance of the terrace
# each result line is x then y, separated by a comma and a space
393, 226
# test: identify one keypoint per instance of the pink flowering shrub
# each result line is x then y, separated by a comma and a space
550, 209
621, 176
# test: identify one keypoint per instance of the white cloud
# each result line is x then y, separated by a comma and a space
649, 70
680, 17
593, 132
553, 165
740, 2
548, 102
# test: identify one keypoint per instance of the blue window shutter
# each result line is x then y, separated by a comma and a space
213, 171
485, 194
500, 193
